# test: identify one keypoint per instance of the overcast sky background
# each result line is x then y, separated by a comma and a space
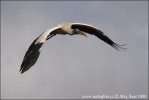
73, 66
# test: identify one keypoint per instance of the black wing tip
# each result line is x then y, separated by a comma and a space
119, 47
22, 70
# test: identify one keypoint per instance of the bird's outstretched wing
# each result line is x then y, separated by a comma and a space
31, 56
33, 51
94, 31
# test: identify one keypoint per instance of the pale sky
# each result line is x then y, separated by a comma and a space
70, 67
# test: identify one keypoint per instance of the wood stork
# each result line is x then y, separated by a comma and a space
33, 51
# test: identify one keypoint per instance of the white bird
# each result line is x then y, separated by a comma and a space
33, 51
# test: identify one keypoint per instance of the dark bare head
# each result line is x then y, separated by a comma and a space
77, 31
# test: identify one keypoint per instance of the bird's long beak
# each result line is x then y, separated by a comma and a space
83, 34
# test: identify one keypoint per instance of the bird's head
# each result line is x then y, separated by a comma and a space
76, 31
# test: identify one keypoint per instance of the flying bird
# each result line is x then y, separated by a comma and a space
33, 51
